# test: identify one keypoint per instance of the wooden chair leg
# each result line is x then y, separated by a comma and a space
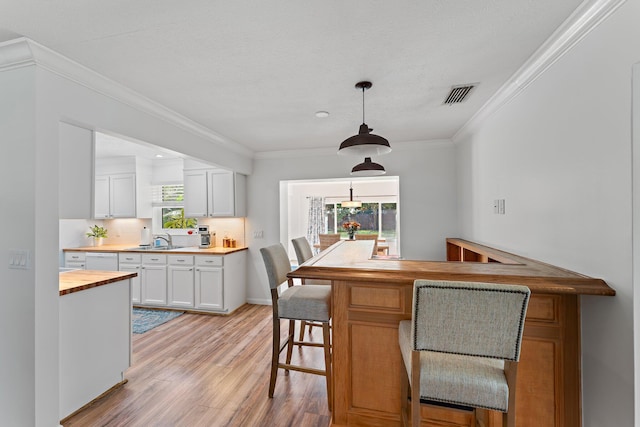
292, 331
303, 325
415, 389
275, 355
404, 395
326, 339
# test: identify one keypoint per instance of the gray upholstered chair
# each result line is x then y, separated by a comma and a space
303, 253
308, 303
303, 249
462, 346
327, 240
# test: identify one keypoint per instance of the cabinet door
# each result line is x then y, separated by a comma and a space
101, 199
195, 194
122, 196
135, 281
222, 193
154, 284
180, 284
209, 288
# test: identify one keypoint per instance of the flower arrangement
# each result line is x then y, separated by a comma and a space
97, 231
351, 227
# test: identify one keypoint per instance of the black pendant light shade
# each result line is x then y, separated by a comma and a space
364, 144
368, 168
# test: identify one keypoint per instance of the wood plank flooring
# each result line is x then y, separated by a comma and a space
202, 370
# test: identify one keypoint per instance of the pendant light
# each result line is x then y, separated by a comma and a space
368, 168
365, 143
351, 203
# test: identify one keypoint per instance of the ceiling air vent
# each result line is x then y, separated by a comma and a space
458, 94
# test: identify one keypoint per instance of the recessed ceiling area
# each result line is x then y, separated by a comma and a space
257, 72
115, 146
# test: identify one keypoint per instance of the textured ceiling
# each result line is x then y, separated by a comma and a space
257, 71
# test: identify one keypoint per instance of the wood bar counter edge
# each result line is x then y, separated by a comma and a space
370, 296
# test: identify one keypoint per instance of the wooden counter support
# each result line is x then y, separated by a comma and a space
371, 296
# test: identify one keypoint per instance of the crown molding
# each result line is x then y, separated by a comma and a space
584, 19
318, 152
23, 52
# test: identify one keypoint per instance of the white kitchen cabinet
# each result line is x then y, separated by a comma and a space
153, 280
214, 193
75, 260
132, 262
222, 193
195, 194
122, 188
215, 283
115, 196
180, 280
209, 283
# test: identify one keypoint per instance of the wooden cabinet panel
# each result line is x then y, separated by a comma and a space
375, 349
543, 308
536, 386
370, 297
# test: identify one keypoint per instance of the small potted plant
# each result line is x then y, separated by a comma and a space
98, 234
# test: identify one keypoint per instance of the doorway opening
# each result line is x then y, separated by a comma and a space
378, 214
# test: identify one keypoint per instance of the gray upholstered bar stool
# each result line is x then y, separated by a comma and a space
308, 303
303, 253
462, 346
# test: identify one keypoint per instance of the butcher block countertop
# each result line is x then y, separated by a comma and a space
80, 280
194, 250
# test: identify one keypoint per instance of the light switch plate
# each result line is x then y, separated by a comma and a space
19, 259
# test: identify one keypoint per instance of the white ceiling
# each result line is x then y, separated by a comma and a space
257, 71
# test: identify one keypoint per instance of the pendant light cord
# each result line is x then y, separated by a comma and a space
363, 89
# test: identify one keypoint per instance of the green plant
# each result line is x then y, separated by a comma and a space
174, 218
97, 231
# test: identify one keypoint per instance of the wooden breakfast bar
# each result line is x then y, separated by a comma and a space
370, 296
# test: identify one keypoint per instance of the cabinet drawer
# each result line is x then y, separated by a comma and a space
75, 256
212, 261
154, 259
180, 259
129, 258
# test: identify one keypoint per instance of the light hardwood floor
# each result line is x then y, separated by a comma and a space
202, 370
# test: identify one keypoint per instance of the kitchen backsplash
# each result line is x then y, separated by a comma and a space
127, 231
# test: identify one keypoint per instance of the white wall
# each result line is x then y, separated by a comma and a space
17, 305
560, 155
427, 200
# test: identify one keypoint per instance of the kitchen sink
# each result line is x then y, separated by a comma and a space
154, 248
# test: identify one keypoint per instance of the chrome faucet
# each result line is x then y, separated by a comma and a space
166, 239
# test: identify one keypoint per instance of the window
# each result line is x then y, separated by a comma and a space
374, 218
168, 202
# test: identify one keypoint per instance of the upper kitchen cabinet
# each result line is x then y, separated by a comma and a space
75, 157
213, 192
122, 188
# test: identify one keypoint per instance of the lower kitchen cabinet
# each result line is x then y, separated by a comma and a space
128, 261
153, 280
180, 281
214, 283
209, 281
75, 260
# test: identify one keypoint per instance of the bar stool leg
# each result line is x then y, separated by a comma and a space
275, 355
326, 338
